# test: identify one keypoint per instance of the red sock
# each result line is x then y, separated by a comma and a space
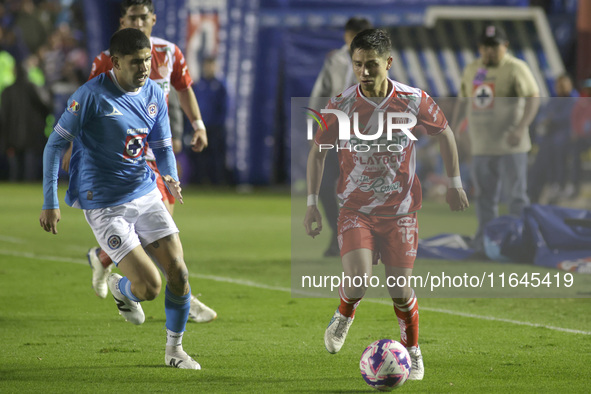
348, 305
104, 258
408, 320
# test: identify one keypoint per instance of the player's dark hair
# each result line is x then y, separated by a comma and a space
358, 24
372, 39
128, 41
125, 4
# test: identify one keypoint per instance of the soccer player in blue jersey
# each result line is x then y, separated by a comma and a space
110, 119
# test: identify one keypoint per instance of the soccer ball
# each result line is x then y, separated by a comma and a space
385, 364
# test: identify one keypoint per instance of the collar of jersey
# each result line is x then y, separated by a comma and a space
114, 79
384, 101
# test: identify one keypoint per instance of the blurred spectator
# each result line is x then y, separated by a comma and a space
43, 39
29, 22
553, 128
212, 96
23, 113
7, 64
64, 58
12, 43
581, 137
498, 126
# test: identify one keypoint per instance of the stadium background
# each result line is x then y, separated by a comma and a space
272, 50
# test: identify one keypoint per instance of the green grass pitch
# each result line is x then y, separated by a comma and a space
56, 336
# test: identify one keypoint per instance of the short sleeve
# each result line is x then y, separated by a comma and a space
525, 82
180, 77
430, 115
80, 108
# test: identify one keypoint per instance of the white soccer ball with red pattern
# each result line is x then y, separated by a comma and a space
385, 364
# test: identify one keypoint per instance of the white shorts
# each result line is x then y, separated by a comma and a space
122, 228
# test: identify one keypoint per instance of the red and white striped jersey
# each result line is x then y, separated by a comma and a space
168, 66
380, 181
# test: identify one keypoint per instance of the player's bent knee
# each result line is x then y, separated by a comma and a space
151, 287
151, 291
178, 272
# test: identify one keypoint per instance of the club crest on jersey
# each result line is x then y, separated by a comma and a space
74, 107
134, 146
114, 241
152, 110
484, 96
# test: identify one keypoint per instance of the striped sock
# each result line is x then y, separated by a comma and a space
177, 310
125, 289
408, 320
348, 305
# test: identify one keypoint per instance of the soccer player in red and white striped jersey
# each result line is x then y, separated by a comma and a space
378, 189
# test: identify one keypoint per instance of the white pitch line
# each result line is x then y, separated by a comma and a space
12, 240
249, 283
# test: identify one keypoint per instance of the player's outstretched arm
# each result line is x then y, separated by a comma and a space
456, 196
314, 172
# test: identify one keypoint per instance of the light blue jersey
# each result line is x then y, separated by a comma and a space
110, 127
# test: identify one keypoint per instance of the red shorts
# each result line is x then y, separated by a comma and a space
166, 196
395, 239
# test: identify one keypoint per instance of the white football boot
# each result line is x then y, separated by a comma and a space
417, 369
336, 332
199, 312
176, 357
99, 273
132, 311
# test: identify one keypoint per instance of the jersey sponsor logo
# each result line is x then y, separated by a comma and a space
134, 146
115, 112
380, 185
407, 222
164, 85
412, 252
114, 241
74, 107
348, 224
152, 110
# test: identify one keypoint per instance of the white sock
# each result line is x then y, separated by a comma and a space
174, 339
